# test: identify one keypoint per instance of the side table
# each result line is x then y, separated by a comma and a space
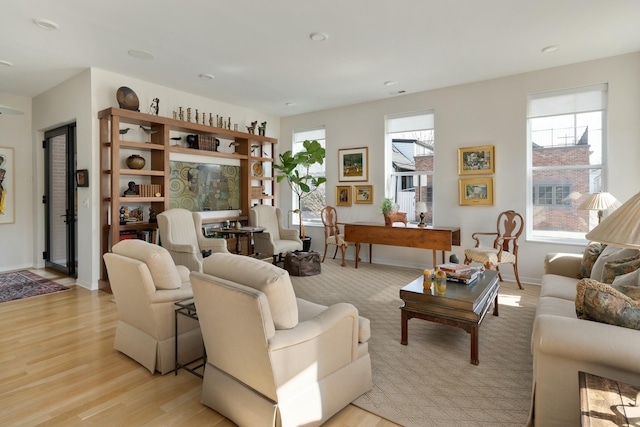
605, 402
187, 308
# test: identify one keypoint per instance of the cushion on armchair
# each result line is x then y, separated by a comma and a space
602, 303
260, 275
158, 259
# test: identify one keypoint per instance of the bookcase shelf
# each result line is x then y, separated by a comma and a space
115, 147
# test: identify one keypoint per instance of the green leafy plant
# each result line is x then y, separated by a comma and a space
387, 205
295, 168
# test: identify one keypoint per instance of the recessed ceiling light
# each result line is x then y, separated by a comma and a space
5, 63
389, 83
550, 49
318, 37
46, 24
207, 76
141, 54
290, 104
399, 92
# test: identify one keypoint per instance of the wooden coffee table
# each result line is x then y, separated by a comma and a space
462, 306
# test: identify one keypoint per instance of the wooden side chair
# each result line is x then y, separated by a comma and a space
332, 235
505, 245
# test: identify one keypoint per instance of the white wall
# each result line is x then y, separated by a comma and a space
16, 248
485, 113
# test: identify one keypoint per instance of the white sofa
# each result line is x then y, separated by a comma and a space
562, 345
274, 359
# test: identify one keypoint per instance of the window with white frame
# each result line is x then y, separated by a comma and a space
566, 138
411, 146
314, 202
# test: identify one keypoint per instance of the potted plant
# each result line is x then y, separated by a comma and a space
391, 214
295, 168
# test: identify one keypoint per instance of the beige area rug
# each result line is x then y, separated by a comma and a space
430, 382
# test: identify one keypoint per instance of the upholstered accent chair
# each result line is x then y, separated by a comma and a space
504, 249
274, 359
275, 240
181, 234
332, 235
146, 284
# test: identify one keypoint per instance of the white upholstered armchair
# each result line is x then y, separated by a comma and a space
146, 284
276, 239
274, 359
181, 234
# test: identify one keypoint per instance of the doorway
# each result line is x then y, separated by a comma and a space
60, 200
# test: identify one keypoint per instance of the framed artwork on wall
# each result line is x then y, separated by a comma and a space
7, 186
353, 164
476, 160
343, 195
476, 191
363, 194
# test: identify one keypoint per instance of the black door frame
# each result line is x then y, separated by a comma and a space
70, 266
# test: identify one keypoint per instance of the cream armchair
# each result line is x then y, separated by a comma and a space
274, 359
181, 234
146, 284
276, 239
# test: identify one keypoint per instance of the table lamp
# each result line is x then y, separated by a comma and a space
600, 201
621, 228
421, 208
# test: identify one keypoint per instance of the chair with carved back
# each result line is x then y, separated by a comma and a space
505, 244
332, 235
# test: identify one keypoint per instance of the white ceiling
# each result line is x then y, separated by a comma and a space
262, 56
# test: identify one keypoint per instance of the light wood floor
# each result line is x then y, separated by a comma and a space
58, 367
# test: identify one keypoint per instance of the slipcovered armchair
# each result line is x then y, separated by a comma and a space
146, 284
276, 239
181, 234
274, 359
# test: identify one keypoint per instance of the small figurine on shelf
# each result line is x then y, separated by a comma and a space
181, 113
122, 221
152, 215
262, 128
155, 106
211, 119
131, 191
189, 114
252, 129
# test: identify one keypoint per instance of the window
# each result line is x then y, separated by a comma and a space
565, 136
410, 144
314, 202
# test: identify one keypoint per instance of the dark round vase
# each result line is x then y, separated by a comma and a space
135, 161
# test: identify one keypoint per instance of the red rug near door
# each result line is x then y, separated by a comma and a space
24, 284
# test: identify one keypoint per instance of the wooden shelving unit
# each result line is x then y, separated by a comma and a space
250, 149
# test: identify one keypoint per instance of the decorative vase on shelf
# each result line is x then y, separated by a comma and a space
135, 161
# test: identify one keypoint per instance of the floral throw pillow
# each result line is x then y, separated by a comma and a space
612, 269
589, 257
601, 303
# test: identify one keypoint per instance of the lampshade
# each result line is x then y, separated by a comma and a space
421, 207
600, 201
621, 228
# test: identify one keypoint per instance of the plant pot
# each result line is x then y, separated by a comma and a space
387, 221
135, 161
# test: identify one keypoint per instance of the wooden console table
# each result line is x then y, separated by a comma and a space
411, 236
605, 402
